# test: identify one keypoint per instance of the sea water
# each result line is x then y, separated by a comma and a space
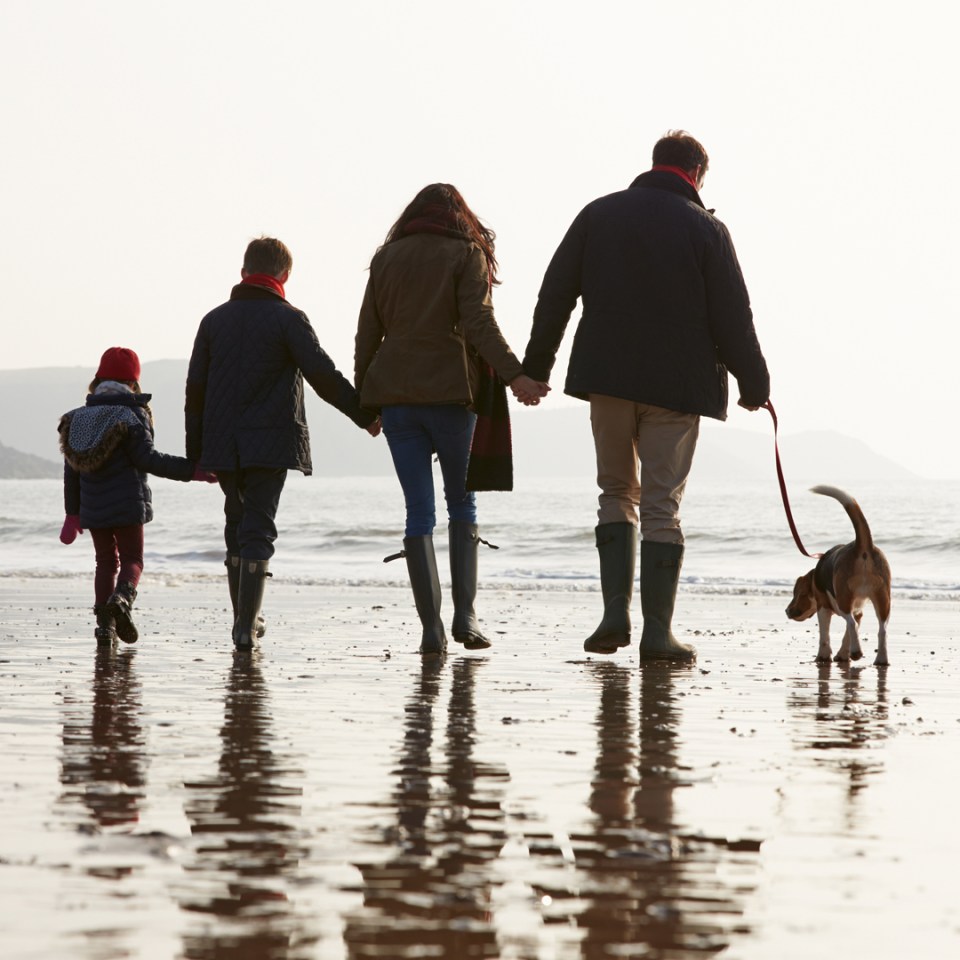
336, 531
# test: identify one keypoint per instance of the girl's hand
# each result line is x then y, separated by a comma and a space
203, 475
71, 527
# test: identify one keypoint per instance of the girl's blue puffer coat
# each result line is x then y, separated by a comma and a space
108, 451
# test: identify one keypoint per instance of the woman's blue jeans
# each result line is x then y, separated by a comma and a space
414, 432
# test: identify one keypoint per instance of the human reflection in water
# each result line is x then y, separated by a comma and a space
652, 890
103, 762
835, 718
249, 850
431, 897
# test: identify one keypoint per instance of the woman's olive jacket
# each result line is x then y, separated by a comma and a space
426, 318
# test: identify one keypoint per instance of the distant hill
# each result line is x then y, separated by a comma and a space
548, 441
824, 456
16, 465
560, 442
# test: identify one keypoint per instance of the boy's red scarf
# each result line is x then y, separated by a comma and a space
265, 280
679, 171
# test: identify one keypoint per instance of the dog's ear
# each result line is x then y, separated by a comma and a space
803, 586
804, 602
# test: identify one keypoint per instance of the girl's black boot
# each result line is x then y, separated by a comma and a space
106, 631
120, 607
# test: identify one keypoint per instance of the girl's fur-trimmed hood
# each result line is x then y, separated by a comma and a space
90, 435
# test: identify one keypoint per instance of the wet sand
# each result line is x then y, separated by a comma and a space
328, 796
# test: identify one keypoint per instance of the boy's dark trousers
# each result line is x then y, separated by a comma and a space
250, 501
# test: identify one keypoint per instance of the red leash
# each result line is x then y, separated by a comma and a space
783, 487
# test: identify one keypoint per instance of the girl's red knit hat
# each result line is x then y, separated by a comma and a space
119, 363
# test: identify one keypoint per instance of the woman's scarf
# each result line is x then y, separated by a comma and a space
490, 466
436, 218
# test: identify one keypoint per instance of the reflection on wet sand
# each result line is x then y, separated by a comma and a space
103, 761
649, 888
839, 720
619, 778
250, 846
431, 898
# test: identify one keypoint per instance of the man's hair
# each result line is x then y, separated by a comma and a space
267, 255
676, 148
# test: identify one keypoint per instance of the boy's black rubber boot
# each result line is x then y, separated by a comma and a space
253, 583
232, 563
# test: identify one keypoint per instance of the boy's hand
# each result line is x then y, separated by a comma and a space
204, 475
71, 527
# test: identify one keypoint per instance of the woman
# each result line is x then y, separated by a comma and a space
425, 326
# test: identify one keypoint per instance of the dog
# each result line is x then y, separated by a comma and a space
845, 577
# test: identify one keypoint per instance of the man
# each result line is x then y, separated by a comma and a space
245, 415
665, 315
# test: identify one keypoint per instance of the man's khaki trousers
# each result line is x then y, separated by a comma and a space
644, 455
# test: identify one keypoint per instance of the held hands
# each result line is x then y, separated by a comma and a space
374, 428
204, 475
71, 527
528, 391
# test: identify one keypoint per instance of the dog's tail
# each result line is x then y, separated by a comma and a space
864, 539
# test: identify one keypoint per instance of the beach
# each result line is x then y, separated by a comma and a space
330, 796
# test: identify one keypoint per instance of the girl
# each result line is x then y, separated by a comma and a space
425, 327
108, 451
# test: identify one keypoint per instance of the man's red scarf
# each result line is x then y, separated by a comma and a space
266, 281
679, 171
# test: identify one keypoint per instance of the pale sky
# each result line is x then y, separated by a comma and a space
145, 144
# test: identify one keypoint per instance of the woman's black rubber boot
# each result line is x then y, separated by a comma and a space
425, 581
464, 546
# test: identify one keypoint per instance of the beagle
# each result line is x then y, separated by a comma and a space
844, 578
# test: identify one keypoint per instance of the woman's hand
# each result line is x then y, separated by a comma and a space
528, 391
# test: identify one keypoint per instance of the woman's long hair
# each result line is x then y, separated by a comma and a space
441, 206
